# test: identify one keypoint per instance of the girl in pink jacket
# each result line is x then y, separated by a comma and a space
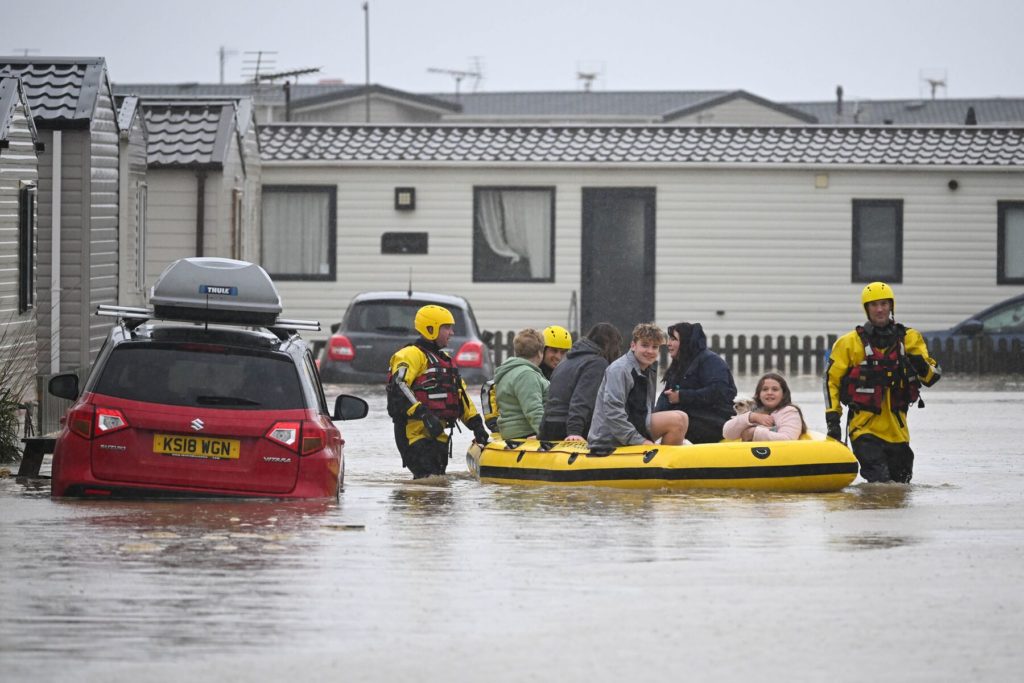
774, 418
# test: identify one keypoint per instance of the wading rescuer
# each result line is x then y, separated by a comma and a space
877, 370
426, 396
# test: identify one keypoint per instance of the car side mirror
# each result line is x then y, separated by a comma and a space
64, 385
972, 327
350, 408
487, 337
335, 327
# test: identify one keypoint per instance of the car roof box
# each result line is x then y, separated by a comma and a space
216, 290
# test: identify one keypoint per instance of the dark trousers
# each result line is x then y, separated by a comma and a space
883, 461
553, 431
704, 429
424, 457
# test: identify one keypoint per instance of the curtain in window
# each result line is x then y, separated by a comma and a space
295, 232
516, 224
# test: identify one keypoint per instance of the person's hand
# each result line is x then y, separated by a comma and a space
673, 395
834, 430
762, 419
432, 423
480, 435
648, 442
574, 437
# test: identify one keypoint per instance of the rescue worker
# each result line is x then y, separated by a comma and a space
426, 396
557, 342
877, 370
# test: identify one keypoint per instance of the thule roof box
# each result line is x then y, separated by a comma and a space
214, 290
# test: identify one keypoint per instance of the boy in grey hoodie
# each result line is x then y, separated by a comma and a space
624, 412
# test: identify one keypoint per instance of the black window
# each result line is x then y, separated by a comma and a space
513, 234
202, 375
877, 240
299, 231
26, 248
1010, 270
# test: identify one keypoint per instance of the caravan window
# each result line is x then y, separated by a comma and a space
1011, 243
877, 240
513, 234
299, 226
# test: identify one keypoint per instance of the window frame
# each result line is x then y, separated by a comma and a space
27, 202
1001, 277
477, 230
894, 277
332, 231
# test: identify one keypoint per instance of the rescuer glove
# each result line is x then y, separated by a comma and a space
834, 430
432, 423
480, 434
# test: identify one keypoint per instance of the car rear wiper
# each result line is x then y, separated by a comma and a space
226, 401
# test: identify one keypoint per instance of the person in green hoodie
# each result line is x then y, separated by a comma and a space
521, 388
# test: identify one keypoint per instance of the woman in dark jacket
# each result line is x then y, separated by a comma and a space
698, 382
574, 384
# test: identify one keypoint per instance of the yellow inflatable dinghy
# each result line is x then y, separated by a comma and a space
812, 464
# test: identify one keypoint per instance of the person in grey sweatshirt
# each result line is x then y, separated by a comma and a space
574, 384
624, 411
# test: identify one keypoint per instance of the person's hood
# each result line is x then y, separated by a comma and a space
510, 365
583, 347
698, 341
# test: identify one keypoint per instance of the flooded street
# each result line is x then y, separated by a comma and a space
457, 580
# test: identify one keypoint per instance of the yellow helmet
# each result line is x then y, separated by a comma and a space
429, 320
557, 337
877, 291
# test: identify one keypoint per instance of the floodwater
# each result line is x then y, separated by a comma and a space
455, 580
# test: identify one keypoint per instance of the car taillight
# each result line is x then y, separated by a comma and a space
88, 421
109, 420
470, 355
303, 437
286, 434
80, 420
314, 438
340, 348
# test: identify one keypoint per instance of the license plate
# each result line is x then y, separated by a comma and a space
197, 446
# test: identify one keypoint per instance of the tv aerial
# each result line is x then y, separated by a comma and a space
458, 75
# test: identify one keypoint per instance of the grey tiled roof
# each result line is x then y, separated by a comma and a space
61, 92
960, 146
264, 93
994, 111
577, 103
189, 132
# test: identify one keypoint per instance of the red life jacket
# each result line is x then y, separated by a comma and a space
439, 386
864, 386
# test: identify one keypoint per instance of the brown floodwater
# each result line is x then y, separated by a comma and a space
450, 579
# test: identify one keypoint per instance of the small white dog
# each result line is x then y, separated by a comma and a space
743, 405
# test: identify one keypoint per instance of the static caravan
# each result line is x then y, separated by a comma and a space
203, 181
77, 239
19, 176
748, 230
134, 199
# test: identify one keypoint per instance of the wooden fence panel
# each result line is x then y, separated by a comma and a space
809, 355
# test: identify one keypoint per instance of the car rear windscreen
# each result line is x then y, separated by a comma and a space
395, 317
202, 375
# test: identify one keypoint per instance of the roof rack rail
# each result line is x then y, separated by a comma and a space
143, 314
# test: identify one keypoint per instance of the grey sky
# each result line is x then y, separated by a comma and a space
779, 49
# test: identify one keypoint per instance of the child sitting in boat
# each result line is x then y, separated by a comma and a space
521, 388
774, 416
624, 410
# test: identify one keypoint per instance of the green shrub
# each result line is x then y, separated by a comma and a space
16, 376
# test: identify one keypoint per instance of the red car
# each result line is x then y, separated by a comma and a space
223, 398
